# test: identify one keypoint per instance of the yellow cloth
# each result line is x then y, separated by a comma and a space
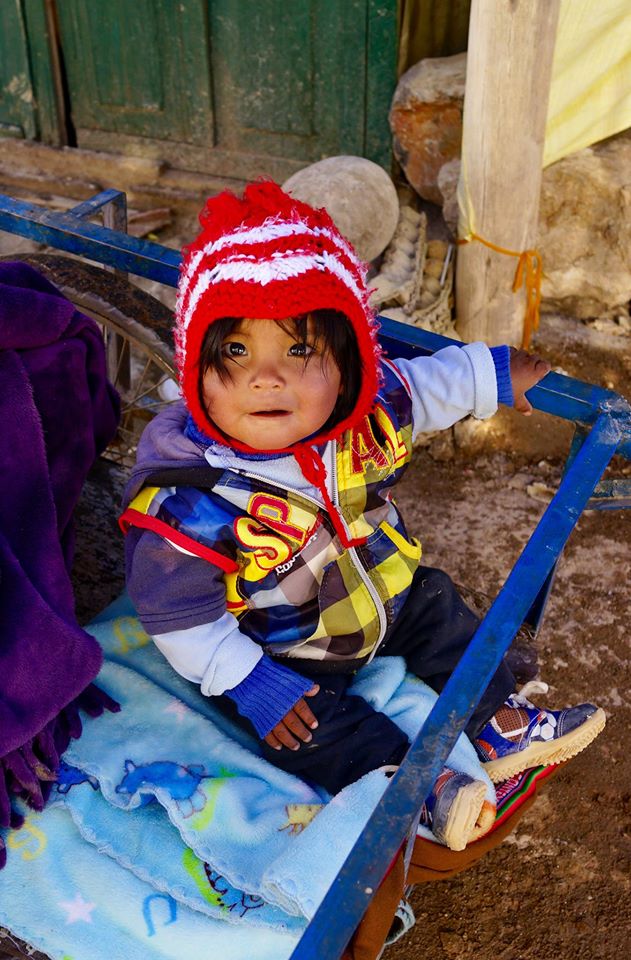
590, 94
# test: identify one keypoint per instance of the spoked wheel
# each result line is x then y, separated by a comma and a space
137, 330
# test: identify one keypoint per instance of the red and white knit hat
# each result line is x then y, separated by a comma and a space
268, 256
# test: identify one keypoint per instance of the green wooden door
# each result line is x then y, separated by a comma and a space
27, 102
234, 88
137, 67
290, 80
231, 87
17, 112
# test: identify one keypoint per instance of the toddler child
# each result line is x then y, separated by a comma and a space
265, 553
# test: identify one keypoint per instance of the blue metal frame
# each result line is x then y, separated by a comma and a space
603, 428
75, 234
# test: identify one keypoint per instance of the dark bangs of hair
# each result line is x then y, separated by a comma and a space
334, 336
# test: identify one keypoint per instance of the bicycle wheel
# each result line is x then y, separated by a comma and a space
137, 330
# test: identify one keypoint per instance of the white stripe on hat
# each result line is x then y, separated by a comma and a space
279, 267
276, 230
267, 232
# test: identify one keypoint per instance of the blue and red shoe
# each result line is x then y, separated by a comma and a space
521, 735
456, 809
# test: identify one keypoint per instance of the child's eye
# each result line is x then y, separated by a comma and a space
232, 348
301, 350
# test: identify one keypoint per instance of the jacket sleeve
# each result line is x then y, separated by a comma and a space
216, 655
223, 660
170, 588
180, 601
451, 384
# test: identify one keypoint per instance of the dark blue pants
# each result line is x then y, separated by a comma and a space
431, 633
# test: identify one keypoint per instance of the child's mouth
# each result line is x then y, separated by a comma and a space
270, 414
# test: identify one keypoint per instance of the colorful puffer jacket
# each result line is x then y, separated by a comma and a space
304, 580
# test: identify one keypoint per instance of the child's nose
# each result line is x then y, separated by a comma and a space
267, 375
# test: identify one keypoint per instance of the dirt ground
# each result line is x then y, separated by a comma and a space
560, 886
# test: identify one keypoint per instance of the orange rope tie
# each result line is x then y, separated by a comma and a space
529, 271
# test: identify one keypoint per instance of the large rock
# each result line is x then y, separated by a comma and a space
359, 196
585, 230
585, 213
426, 120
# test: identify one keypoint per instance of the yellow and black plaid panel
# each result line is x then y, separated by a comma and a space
346, 608
366, 465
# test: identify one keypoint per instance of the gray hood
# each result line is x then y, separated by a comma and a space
163, 445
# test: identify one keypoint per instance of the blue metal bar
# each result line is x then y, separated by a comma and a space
614, 494
535, 615
62, 230
89, 208
580, 434
346, 900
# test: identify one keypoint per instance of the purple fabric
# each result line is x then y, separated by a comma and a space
57, 413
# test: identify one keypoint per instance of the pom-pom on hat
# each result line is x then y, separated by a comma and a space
269, 256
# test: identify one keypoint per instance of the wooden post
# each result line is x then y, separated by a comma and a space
509, 66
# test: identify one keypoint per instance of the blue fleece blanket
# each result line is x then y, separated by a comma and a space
168, 832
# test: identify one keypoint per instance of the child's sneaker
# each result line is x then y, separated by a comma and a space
521, 735
453, 808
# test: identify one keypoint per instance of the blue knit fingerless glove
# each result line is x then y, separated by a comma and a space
501, 359
268, 693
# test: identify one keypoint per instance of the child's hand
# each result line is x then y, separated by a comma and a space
526, 369
294, 724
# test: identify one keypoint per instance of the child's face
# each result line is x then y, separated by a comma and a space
273, 397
